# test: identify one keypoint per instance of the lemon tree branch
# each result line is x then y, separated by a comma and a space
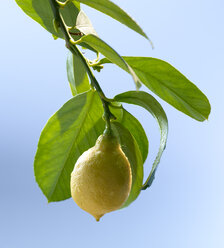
59, 23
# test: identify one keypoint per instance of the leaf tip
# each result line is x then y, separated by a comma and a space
151, 43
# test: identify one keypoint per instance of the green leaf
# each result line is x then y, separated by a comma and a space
27, 7
72, 130
102, 47
170, 85
77, 75
70, 12
131, 150
109, 8
134, 143
69, 132
41, 12
173, 87
148, 102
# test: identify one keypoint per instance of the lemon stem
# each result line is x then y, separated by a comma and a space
58, 20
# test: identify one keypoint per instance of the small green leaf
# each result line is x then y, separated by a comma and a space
148, 102
109, 8
131, 150
69, 132
77, 75
102, 47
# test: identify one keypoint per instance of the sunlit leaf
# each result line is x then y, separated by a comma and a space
72, 130
109, 8
69, 132
102, 47
83, 24
172, 86
41, 12
169, 84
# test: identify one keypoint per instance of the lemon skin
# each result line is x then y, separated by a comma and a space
101, 179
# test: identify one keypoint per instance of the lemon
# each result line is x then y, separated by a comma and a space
101, 179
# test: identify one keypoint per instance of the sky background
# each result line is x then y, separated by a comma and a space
185, 205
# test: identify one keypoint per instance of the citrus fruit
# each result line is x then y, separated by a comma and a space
101, 179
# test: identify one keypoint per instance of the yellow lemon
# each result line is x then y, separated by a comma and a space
101, 179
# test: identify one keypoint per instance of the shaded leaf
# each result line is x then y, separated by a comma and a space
148, 102
137, 131
134, 127
77, 76
131, 150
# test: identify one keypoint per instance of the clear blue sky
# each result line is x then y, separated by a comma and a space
185, 205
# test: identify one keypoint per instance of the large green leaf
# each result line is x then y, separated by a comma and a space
77, 76
72, 130
102, 47
69, 132
41, 12
109, 8
172, 86
169, 84
131, 150
148, 102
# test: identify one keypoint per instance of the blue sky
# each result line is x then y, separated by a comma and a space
185, 205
